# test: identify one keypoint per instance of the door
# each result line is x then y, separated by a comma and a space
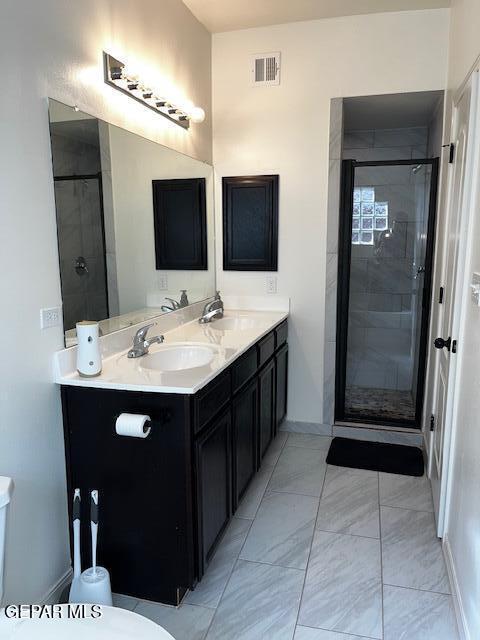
266, 403
448, 312
212, 460
386, 248
244, 438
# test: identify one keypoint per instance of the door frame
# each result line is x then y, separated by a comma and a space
343, 297
461, 291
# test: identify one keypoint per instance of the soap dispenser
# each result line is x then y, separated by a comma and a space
89, 359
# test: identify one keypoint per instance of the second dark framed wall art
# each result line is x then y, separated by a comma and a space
250, 223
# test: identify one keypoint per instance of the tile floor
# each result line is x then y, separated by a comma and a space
317, 552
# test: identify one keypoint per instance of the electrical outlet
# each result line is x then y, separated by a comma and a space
162, 280
51, 317
271, 284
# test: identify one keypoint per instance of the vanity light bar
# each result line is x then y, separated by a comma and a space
116, 75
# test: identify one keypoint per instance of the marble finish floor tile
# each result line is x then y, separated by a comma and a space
209, 590
253, 496
411, 552
406, 492
309, 441
282, 530
187, 622
349, 502
309, 633
260, 603
343, 585
418, 615
275, 449
299, 470
124, 602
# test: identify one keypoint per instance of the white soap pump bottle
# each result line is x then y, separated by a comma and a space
89, 359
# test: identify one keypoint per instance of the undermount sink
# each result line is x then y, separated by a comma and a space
179, 357
239, 323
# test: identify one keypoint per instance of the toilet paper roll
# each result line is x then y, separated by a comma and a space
133, 425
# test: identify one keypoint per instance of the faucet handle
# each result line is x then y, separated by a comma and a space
142, 332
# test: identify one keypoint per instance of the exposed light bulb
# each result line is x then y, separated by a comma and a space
197, 114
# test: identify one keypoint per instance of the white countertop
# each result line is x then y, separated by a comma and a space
132, 374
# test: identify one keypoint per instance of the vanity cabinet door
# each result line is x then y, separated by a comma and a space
281, 383
244, 438
266, 404
213, 480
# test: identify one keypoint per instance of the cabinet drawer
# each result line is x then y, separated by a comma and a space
209, 401
281, 334
266, 347
244, 369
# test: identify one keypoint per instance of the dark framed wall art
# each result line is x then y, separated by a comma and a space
180, 224
250, 223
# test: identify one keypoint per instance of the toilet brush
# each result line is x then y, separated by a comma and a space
77, 563
94, 583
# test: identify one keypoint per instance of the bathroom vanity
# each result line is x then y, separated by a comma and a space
166, 500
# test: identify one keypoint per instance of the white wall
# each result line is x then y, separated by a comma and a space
463, 519
285, 130
53, 48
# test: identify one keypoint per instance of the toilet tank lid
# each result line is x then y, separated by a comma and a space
6, 490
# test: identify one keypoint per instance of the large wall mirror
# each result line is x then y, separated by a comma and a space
135, 223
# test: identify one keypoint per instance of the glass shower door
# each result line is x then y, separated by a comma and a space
385, 265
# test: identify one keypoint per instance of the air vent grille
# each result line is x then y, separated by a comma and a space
266, 68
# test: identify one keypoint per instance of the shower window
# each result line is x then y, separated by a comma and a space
368, 216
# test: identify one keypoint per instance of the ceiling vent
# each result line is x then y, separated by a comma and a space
266, 69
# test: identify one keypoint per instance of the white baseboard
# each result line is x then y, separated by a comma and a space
53, 594
457, 598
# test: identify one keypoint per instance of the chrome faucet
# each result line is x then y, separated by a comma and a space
212, 310
141, 344
177, 305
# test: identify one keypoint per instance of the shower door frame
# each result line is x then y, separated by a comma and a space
343, 295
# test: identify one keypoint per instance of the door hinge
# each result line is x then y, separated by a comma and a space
432, 423
454, 346
451, 155
440, 295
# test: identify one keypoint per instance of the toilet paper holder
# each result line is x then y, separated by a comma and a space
144, 428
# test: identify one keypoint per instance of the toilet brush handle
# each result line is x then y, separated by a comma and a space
94, 526
77, 564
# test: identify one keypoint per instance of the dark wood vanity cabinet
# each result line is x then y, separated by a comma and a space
245, 426
213, 480
266, 407
166, 500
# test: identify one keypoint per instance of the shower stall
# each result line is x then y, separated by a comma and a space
384, 286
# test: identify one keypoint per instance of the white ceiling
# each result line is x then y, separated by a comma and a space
228, 15
390, 111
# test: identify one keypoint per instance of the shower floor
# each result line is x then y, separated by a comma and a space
379, 403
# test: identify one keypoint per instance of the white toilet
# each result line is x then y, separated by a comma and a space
114, 624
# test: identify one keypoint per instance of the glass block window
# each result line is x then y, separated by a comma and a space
368, 215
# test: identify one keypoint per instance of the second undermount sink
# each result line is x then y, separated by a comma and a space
237, 323
179, 357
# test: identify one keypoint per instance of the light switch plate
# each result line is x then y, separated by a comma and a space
162, 280
51, 317
271, 283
